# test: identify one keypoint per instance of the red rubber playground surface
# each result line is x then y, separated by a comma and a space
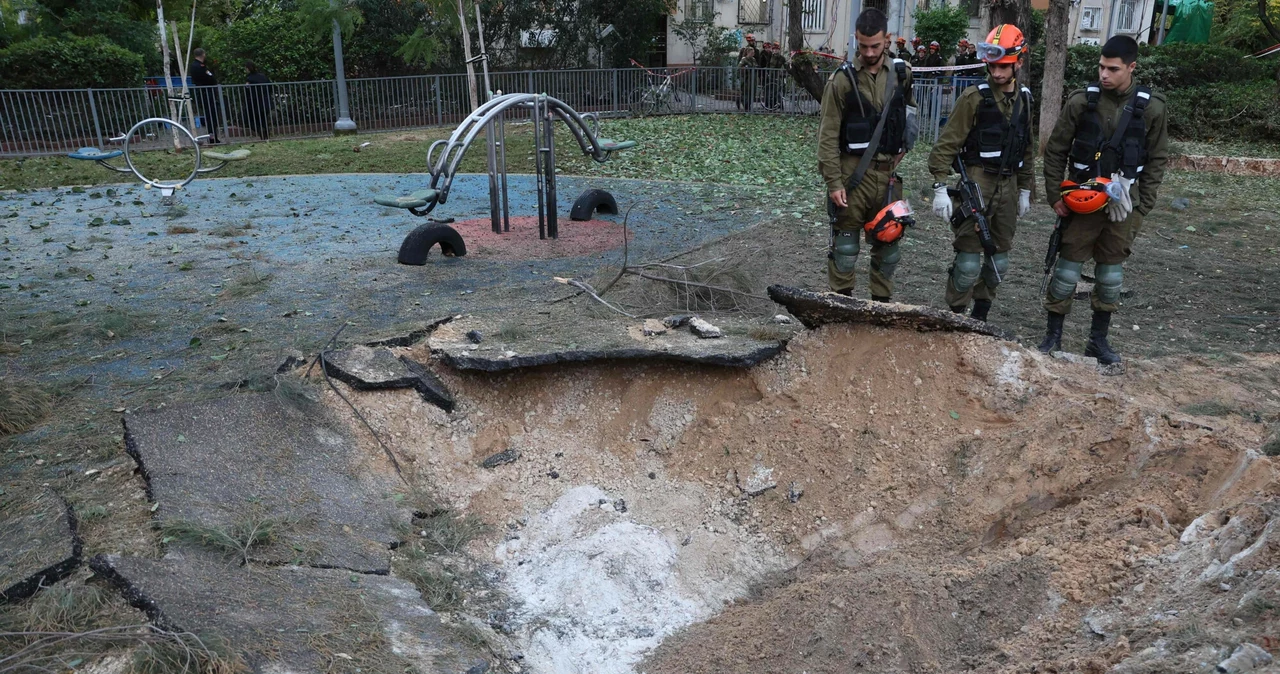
522, 243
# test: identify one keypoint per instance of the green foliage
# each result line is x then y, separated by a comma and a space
945, 24
1220, 111
711, 44
1236, 24
420, 47
273, 41
318, 17
577, 26
1035, 32
69, 63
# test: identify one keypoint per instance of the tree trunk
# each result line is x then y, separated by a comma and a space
1266, 20
1055, 66
802, 68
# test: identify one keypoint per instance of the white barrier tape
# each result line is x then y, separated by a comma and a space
931, 69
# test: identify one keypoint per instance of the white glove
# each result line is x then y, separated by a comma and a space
1119, 208
1024, 202
942, 203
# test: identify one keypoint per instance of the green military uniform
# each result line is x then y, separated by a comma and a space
746, 79
919, 60
1094, 235
1000, 194
837, 168
933, 60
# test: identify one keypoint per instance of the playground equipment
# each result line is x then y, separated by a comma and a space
167, 188
444, 157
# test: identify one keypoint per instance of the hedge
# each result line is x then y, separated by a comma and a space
275, 42
1212, 91
69, 63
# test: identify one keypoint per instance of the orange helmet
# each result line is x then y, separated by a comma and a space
902, 40
1087, 197
887, 226
1005, 43
915, 41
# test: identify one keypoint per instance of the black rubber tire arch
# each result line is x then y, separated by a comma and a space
593, 201
417, 245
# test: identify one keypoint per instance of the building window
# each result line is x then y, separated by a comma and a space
753, 12
698, 11
814, 16
1127, 19
1090, 18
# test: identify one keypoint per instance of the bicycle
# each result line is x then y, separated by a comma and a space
662, 96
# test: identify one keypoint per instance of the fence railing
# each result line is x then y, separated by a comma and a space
34, 122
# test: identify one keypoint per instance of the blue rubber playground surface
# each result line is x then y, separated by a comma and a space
289, 258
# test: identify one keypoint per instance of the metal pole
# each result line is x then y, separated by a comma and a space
222, 106
538, 105
1164, 13
93, 110
553, 229
855, 8
344, 126
502, 147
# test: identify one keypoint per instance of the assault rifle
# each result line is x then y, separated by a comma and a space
1055, 245
971, 206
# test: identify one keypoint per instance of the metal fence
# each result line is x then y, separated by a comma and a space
34, 122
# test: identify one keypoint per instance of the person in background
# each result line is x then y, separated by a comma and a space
206, 95
259, 100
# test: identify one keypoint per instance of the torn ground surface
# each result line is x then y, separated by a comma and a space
252, 461
927, 474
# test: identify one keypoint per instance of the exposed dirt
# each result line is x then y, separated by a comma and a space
922, 502
522, 242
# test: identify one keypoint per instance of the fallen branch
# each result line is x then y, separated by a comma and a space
694, 284
590, 291
1163, 235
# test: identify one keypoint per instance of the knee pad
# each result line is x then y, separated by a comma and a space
1001, 263
965, 271
1109, 278
844, 250
1065, 276
887, 261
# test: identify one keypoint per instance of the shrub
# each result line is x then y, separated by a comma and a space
1178, 65
944, 25
1237, 111
69, 63
275, 42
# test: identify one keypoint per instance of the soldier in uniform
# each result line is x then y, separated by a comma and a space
996, 150
746, 77
902, 52
920, 58
934, 59
1111, 144
854, 100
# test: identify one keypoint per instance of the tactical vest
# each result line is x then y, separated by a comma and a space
1094, 154
860, 117
996, 143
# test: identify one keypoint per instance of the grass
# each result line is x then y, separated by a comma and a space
244, 285
440, 589
181, 229
94, 323
714, 148
65, 607
238, 539
512, 331
1208, 408
23, 405
447, 532
1272, 446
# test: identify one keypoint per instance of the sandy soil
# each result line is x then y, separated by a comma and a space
870, 501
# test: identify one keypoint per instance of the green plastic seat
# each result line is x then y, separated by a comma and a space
234, 155
611, 145
94, 154
417, 199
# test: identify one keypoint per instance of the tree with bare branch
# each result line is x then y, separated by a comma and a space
1055, 66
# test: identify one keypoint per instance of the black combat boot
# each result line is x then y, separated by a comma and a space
881, 298
1053, 334
980, 310
1098, 346
958, 309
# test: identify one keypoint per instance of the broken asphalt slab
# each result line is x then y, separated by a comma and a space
597, 341
39, 545
249, 458
367, 368
292, 619
817, 309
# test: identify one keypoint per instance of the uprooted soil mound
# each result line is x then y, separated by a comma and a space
872, 500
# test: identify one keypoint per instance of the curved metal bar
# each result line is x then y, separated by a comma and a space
444, 166
118, 169
128, 138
